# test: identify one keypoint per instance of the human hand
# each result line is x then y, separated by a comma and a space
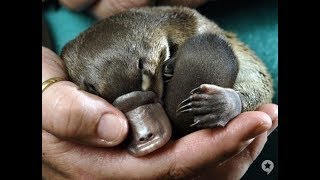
106, 8
75, 115
191, 155
237, 166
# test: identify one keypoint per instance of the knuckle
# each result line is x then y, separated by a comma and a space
75, 118
204, 87
193, 96
71, 116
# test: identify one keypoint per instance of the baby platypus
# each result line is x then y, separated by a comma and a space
202, 75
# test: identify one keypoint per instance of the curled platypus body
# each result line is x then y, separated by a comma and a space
160, 63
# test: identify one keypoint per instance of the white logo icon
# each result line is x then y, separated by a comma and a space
267, 166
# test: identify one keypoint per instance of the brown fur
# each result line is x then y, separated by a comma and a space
111, 57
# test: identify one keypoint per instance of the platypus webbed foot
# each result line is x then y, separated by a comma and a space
211, 106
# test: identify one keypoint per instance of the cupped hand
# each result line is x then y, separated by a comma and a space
74, 146
237, 166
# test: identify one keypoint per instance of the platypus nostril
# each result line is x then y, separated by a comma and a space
150, 135
146, 137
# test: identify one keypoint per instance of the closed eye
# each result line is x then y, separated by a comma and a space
91, 88
173, 49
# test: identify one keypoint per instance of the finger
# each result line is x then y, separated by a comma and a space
70, 113
194, 3
77, 5
52, 64
178, 158
272, 111
216, 145
237, 166
105, 8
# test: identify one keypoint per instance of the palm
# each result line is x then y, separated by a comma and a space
186, 156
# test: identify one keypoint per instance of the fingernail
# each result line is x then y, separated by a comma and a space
110, 128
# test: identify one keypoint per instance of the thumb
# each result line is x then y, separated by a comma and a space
69, 113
